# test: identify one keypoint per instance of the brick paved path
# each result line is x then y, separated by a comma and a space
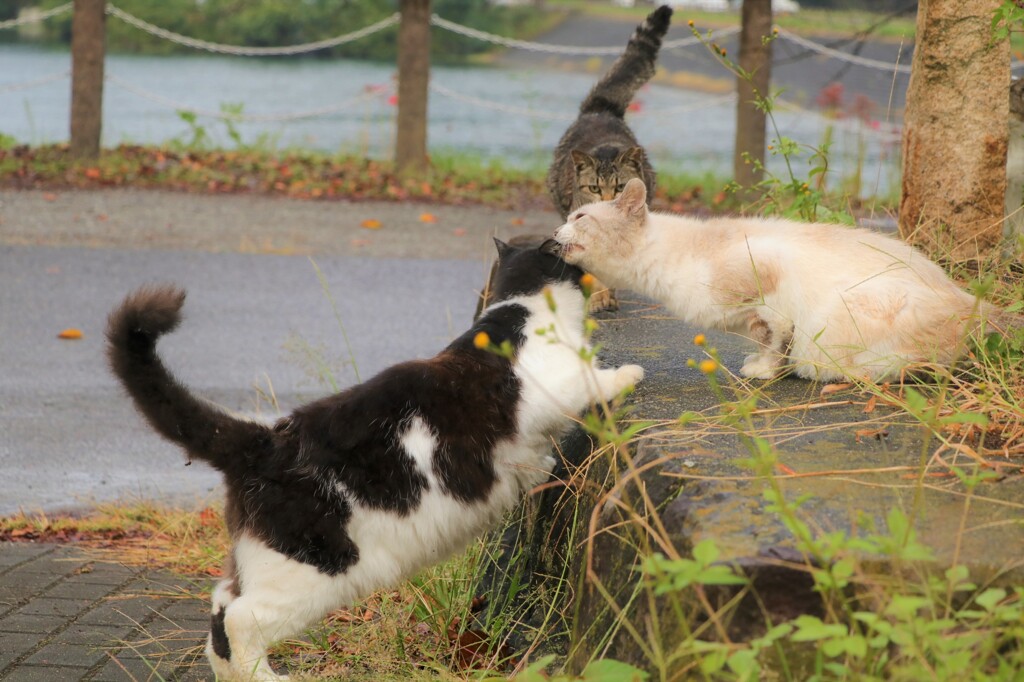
70, 614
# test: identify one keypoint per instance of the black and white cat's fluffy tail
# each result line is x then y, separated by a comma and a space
634, 67
203, 430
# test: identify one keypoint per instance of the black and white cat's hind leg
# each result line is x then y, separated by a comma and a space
272, 597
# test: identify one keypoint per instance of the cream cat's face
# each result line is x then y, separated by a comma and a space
598, 235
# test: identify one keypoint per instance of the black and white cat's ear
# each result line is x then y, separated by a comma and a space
633, 200
502, 247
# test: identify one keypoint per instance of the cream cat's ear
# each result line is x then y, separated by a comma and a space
633, 200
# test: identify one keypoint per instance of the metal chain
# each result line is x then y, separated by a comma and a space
42, 16
497, 106
25, 85
243, 51
844, 56
241, 117
555, 49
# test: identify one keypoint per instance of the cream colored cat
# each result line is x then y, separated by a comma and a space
826, 301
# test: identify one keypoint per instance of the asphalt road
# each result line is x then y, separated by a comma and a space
257, 318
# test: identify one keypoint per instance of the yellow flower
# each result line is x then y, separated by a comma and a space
481, 340
708, 366
699, 340
587, 282
690, 23
690, 362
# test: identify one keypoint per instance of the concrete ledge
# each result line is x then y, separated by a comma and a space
854, 466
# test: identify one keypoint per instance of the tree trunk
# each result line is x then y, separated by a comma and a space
413, 78
88, 39
955, 130
755, 59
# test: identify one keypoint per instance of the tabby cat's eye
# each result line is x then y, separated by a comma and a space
619, 188
594, 189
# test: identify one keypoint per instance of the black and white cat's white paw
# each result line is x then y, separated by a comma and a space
626, 377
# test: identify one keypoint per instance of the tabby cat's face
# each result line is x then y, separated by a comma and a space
602, 176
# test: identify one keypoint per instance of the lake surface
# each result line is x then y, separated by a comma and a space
513, 115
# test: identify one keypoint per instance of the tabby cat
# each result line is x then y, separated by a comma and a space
599, 154
358, 490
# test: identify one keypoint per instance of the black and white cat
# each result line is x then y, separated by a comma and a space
358, 490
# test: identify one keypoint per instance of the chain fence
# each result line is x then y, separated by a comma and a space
440, 90
442, 23
34, 18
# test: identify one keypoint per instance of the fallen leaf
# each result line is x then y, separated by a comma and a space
877, 434
49, 196
102, 217
70, 333
208, 517
870, 407
428, 218
92, 173
459, 232
371, 224
517, 221
829, 389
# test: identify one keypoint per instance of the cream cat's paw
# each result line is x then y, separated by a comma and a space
603, 299
760, 366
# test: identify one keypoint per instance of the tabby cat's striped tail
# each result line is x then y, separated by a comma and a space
614, 92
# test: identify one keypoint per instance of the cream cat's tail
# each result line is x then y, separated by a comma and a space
204, 431
634, 67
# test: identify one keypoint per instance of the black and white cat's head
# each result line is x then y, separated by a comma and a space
523, 271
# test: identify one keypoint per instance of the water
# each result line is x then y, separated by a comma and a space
507, 118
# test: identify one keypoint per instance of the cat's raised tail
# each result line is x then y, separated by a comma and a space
634, 67
203, 430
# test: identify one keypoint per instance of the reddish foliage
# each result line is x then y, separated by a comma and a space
293, 174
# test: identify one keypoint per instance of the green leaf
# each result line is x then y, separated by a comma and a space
990, 598
610, 670
705, 552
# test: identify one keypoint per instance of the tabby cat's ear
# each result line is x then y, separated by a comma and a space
581, 159
633, 200
634, 155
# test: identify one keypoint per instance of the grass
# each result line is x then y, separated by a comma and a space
300, 174
187, 541
456, 180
